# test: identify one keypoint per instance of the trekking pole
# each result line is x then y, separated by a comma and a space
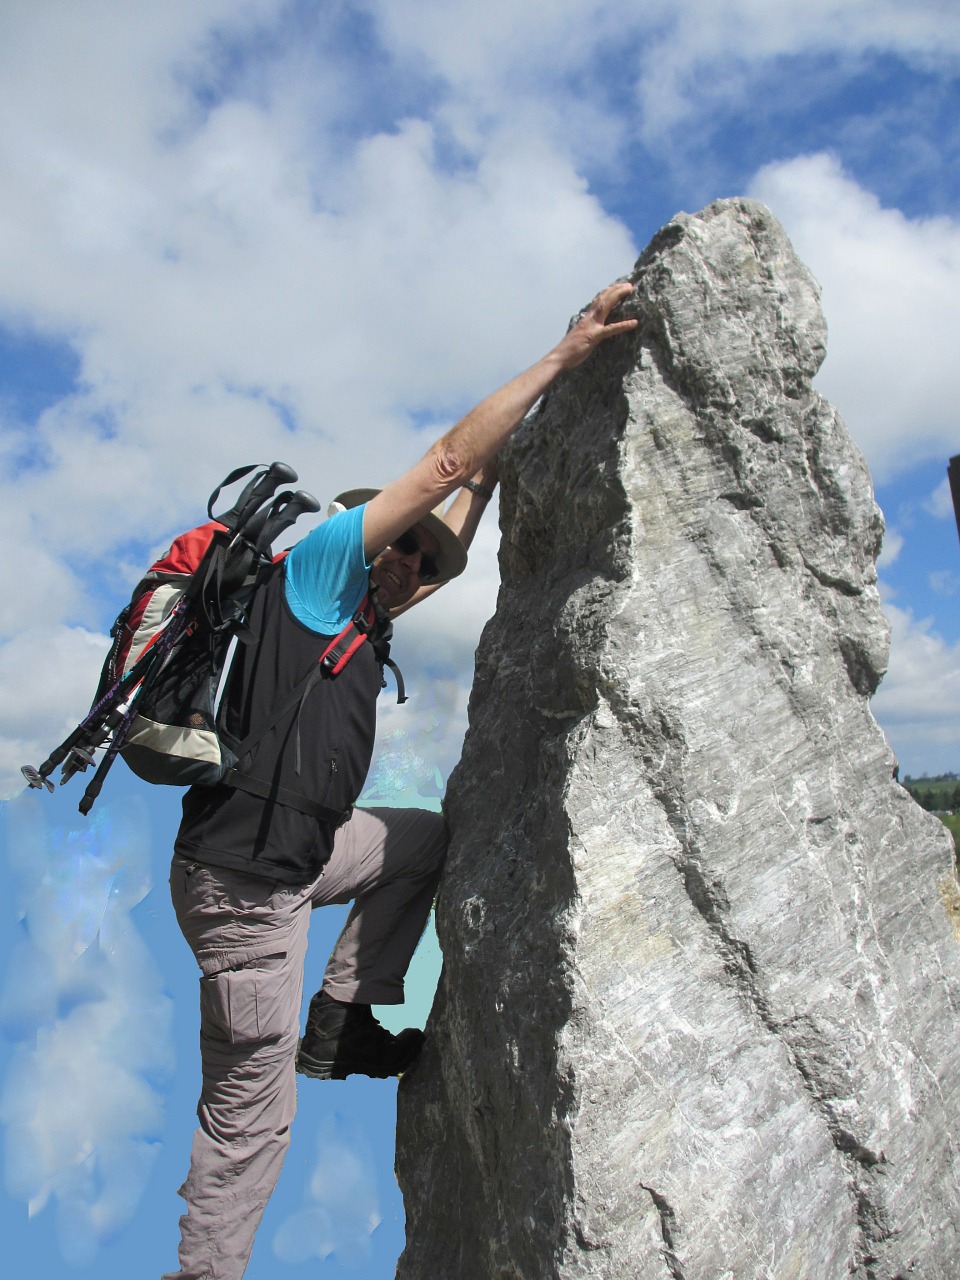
113, 750
285, 510
231, 555
89, 728
255, 525
88, 735
262, 487
159, 651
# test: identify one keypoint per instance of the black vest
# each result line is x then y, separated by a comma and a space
334, 726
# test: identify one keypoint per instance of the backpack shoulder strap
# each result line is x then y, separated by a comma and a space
372, 623
342, 648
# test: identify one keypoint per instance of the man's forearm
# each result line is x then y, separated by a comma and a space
466, 511
463, 516
480, 435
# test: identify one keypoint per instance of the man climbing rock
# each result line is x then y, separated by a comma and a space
254, 858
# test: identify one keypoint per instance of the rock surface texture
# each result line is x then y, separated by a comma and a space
698, 1014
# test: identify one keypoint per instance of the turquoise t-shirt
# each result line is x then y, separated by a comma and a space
327, 573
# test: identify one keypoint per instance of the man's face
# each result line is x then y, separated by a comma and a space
396, 572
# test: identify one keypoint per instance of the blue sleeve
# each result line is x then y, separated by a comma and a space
327, 573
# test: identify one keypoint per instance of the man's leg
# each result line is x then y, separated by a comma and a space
389, 861
249, 937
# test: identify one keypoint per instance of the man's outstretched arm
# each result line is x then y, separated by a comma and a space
477, 438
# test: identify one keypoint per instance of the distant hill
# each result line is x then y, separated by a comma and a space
940, 794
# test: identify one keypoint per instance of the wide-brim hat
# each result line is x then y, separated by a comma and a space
451, 557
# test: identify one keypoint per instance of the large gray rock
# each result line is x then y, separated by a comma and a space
701, 965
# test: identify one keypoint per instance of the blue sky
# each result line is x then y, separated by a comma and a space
237, 231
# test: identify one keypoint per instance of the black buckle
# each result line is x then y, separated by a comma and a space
330, 660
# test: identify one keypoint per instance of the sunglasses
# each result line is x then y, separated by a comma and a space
408, 544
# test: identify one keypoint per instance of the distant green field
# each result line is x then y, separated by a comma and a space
941, 793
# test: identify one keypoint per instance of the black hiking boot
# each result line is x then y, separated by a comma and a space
346, 1039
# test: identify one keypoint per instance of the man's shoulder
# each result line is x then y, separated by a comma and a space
337, 535
326, 572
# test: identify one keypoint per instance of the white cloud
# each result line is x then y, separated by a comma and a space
83, 1001
342, 1208
940, 503
526, 63
918, 703
218, 283
224, 261
892, 546
704, 53
891, 294
551, 63
48, 676
944, 582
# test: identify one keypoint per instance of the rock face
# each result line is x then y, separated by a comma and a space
701, 962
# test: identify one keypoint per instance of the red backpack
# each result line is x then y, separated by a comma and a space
157, 700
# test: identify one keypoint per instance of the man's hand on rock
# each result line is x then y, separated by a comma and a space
592, 327
473, 443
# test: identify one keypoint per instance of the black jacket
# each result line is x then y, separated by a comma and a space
335, 725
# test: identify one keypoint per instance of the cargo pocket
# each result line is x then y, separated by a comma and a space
249, 1004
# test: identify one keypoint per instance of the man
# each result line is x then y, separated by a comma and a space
253, 859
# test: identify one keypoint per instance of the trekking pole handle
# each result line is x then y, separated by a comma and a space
255, 525
262, 487
282, 516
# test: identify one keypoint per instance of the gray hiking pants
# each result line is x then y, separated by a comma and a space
250, 937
